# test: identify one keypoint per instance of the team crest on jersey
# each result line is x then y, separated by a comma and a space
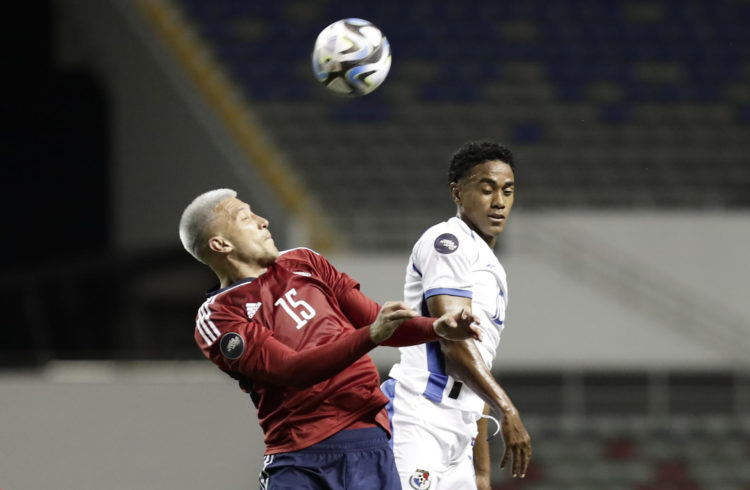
447, 243
252, 309
232, 345
420, 480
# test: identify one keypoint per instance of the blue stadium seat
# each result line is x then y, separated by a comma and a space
458, 72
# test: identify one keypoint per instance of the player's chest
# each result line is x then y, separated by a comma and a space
299, 311
489, 282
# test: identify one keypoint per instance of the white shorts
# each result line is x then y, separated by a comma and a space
432, 444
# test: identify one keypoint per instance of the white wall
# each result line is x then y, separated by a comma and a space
168, 145
102, 427
569, 308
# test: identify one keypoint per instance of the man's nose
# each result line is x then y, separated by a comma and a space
499, 200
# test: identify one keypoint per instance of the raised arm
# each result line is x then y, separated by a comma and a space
466, 360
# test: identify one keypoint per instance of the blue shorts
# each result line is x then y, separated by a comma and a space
359, 459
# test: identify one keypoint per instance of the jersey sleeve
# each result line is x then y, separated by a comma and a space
444, 263
362, 311
243, 347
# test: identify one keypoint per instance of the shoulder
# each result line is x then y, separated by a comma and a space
229, 314
306, 262
213, 317
228, 301
299, 253
300, 258
446, 238
433, 233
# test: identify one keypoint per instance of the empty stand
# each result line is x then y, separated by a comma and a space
607, 104
634, 453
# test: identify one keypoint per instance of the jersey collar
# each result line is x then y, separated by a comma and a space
464, 227
216, 290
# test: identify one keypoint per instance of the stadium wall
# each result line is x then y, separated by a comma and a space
615, 289
167, 144
96, 426
619, 290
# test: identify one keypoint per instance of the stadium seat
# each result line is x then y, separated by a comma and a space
649, 82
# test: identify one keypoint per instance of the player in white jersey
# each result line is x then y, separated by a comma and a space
439, 391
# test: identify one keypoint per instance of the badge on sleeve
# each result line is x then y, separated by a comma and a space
232, 345
446, 243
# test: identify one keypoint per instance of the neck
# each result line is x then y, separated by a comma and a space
488, 239
232, 271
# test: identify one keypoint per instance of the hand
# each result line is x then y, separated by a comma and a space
390, 317
458, 325
517, 444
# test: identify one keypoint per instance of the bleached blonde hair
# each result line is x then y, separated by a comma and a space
197, 216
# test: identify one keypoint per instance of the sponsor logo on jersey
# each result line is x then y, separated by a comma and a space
252, 309
232, 345
420, 480
446, 243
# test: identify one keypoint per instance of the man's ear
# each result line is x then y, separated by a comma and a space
455, 192
219, 244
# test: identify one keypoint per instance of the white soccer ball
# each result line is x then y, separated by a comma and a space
351, 57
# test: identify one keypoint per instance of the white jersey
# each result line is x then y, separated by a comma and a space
449, 258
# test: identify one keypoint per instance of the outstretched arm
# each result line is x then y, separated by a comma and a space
471, 369
254, 352
458, 325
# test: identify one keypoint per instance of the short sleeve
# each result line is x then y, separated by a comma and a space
444, 260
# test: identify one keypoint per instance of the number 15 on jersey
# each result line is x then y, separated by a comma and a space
299, 310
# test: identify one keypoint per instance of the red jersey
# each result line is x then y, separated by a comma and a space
286, 338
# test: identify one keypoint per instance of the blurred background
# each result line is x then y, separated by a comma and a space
627, 344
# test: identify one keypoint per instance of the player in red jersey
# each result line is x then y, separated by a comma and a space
290, 328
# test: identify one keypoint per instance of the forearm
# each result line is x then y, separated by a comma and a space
466, 360
413, 332
279, 365
482, 454
362, 311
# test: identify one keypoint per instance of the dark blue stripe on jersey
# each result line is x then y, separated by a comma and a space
389, 389
436, 366
496, 319
448, 291
415, 269
214, 292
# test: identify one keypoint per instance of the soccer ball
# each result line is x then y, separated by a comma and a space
351, 57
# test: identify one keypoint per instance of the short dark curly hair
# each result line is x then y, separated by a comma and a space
475, 153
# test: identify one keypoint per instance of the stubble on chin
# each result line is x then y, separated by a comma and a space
269, 259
